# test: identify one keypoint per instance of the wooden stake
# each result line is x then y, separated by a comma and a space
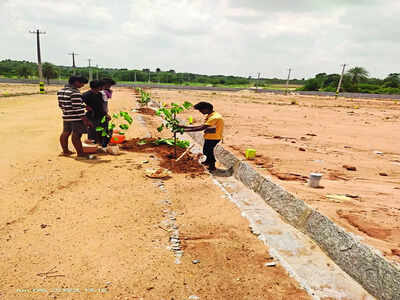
183, 154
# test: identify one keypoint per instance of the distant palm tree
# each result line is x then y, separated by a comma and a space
358, 74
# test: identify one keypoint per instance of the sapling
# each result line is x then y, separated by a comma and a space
122, 119
144, 98
171, 122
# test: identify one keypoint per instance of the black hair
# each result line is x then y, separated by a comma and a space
80, 79
96, 84
204, 105
109, 81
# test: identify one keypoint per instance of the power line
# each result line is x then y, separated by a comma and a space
40, 70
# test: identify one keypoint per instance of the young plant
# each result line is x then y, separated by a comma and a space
121, 120
144, 98
171, 122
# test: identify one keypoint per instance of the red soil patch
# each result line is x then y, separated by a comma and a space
289, 176
367, 226
187, 164
146, 111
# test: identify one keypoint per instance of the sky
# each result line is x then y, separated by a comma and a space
227, 37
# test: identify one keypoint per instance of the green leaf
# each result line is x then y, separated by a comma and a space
121, 133
115, 116
187, 104
99, 128
104, 133
124, 126
128, 118
159, 129
103, 119
142, 142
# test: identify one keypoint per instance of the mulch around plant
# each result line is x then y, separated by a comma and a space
146, 111
187, 164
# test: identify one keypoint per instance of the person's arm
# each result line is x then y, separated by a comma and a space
77, 104
194, 128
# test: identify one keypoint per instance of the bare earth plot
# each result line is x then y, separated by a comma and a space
297, 135
99, 226
17, 88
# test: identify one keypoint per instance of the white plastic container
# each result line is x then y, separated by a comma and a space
315, 178
113, 149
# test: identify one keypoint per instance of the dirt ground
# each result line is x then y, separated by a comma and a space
7, 89
297, 135
101, 227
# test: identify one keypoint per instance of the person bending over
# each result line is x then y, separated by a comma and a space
73, 114
213, 129
95, 109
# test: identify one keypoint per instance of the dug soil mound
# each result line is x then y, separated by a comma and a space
187, 164
146, 111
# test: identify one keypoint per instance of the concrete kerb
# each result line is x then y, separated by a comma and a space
378, 276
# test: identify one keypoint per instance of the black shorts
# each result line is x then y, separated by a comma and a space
74, 126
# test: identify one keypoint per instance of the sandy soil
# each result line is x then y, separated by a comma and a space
100, 225
297, 135
17, 88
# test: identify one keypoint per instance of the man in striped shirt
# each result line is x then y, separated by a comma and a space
73, 109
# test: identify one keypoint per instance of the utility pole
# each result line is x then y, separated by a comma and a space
340, 81
73, 62
97, 72
90, 71
40, 71
287, 81
257, 82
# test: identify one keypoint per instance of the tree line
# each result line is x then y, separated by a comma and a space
356, 80
25, 69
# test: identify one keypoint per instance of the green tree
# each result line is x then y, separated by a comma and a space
49, 71
357, 75
24, 71
392, 80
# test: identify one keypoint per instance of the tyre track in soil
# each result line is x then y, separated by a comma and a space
102, 230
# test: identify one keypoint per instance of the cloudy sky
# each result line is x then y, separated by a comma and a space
238, 37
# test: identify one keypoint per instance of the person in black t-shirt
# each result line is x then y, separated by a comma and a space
95, 110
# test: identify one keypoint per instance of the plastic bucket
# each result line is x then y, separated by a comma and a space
314, 180
250, 153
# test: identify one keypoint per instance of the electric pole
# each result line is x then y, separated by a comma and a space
97, 72
40, 71
73, 62
287, 81
90, 71
257, 82
340, 81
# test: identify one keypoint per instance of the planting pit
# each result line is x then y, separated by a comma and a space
187, 164
146, 111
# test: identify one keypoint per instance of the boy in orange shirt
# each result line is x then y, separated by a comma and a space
213, 129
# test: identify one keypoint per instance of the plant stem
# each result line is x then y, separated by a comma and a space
175, 138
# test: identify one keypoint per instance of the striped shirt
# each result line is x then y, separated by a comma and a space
71, 103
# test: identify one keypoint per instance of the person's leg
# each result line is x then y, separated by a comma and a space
64, 138
105, 139
77, 130
206, 152
212, 160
